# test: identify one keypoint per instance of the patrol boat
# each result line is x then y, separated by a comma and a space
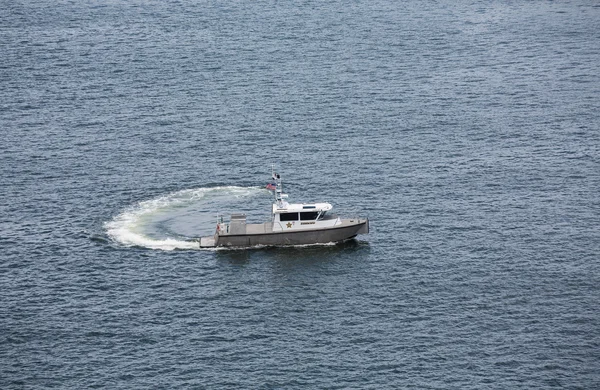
290, 224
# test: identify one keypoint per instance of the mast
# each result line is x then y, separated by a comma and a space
279, 195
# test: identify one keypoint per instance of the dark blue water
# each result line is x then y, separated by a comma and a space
467, 131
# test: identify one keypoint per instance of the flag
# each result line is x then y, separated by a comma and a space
271, 186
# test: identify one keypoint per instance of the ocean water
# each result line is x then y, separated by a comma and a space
467, 131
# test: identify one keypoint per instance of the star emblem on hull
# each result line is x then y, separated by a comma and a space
289, 224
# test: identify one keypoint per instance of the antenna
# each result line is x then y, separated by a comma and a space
279, 195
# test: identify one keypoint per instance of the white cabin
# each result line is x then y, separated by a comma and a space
301, 216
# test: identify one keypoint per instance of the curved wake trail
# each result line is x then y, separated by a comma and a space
175, 220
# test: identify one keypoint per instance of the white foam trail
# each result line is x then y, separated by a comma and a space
125, 227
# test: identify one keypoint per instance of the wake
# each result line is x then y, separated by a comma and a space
176, 220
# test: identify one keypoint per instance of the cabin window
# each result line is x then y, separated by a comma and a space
309, 215
288, 217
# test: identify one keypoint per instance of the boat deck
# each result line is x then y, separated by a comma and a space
258, 228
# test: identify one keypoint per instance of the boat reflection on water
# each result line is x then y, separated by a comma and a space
297, 255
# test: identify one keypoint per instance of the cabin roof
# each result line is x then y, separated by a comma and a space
299, 207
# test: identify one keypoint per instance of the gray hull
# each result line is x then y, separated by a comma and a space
348, 229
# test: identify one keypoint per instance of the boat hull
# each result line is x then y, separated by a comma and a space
348, 229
